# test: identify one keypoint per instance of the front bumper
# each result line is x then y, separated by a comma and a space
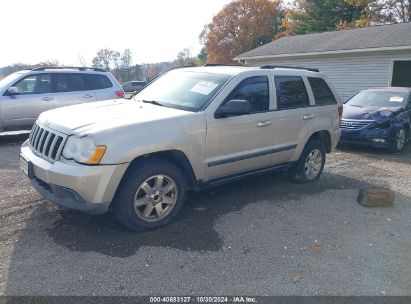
86, 188
369, 137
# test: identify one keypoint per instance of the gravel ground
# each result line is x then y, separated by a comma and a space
261, 236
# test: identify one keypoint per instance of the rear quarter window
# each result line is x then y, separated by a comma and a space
97, 82
322, 92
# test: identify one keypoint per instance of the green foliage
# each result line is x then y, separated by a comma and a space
323, 15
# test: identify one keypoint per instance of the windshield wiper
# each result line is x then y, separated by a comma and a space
153, 102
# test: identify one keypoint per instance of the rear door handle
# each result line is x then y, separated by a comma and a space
264, 123
88, 96
47, 98
308, 116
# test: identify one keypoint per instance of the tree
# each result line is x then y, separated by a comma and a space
311, 16
202, 57
126, 59
184, 58
106, 58
286, 27
239, 27
151, 72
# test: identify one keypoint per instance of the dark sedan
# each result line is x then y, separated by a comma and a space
378, 117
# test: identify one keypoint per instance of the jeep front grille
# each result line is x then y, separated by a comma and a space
351, 124
46, 143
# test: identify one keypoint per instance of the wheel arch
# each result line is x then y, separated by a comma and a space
176, 157
324, 137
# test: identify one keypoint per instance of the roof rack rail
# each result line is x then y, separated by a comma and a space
69, 67
219, 64
269, 66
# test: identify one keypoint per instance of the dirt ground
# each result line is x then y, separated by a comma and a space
261, 236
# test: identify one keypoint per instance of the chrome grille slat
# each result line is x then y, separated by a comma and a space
38, 137
45, 143
31, 133
53, 144
351, 124
42, 141
36, 131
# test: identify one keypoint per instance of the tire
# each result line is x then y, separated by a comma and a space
313, 155
150, 196
399, 141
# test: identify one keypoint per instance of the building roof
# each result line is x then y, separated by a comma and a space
375, 38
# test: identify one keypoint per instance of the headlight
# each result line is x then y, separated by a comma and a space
83, 150
384, 125
385, 113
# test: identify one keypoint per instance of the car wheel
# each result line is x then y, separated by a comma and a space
310, 164
151, 195
399, 141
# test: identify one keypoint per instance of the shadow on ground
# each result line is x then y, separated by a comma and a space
193, 228
403, 157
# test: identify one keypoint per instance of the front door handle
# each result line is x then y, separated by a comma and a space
88, 96
264, 123
47, 98
308, 116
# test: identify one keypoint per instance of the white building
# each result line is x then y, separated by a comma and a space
353, 60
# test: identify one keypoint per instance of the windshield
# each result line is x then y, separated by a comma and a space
9, 79
378, 99
183, 89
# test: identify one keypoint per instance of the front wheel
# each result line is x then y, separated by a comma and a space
151, 195
399, 141
310, 164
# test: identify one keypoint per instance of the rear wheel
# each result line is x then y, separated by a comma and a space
399, 141
151, 195
310, 164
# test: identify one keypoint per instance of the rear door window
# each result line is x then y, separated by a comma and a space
322, 92
291, 92
66, 82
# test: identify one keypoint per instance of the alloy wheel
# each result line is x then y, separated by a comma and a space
155, 198
401, 136
313, 163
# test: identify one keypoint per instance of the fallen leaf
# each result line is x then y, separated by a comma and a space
200, 209
317, 248
296, 277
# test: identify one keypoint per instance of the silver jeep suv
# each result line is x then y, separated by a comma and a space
190, 129
26, 94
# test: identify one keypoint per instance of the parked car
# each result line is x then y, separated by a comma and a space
190, 129
26, 94
378, 117
133, 86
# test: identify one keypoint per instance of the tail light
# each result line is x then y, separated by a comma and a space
120, 94
340, 111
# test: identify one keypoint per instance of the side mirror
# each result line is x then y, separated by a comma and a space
13, 91
234, 107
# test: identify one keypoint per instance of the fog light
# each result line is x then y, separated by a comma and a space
379, 140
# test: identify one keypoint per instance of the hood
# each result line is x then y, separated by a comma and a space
370, 113
105, 115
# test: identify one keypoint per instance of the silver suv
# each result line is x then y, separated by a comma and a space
26, 94
190, 129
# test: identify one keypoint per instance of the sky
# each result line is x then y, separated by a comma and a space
63, 30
